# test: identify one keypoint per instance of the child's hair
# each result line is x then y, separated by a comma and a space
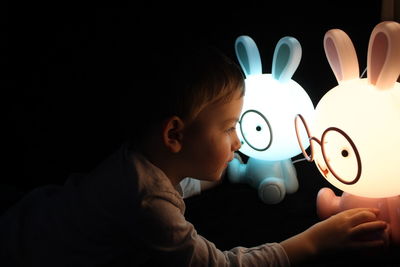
203, 77
180, 80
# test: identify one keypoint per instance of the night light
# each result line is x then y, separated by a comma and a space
355, 139
265, 127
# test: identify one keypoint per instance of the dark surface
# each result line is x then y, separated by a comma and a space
66, 64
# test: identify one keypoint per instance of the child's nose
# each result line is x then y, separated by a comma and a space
236, 143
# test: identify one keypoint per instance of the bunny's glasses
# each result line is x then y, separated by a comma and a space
335, 143
256, 130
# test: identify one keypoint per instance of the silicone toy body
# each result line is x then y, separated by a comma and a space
355, 138
266, 127
273, 179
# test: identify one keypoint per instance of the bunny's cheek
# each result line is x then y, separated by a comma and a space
324, 171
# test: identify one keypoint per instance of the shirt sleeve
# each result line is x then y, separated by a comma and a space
175, 242
190, 187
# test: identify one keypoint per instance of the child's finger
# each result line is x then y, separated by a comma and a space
370, 231
355, 211
363, 215
369, 244
371, 226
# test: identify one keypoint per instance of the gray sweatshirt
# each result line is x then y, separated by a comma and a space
125, 212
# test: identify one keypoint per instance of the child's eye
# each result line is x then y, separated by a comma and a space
232, 129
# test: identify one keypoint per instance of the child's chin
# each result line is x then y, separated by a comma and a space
215, 178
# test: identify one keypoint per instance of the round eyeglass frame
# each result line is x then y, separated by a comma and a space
269, 127
321, 142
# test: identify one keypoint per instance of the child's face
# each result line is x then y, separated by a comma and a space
210, 141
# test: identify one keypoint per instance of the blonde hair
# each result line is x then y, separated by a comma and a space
214, 79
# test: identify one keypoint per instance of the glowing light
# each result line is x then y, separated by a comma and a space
355, 137
367, 110
266, 127
271, 101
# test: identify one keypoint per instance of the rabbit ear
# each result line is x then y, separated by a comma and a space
248, 55
286, 58
383, 66
341, 55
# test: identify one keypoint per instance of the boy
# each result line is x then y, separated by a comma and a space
129, 212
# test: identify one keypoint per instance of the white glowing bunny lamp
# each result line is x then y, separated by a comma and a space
355, 138
266, 127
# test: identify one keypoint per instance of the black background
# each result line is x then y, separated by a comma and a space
65, 65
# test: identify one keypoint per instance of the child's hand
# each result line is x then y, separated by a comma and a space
351, 229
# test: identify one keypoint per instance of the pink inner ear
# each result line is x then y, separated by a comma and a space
379, 50
333, 58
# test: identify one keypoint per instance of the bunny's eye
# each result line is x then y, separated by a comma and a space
256, 130
341, 156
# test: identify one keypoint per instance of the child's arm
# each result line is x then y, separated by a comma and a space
339, 232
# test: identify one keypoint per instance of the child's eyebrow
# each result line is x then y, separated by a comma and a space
231, 120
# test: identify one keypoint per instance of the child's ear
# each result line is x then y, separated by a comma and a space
173, 133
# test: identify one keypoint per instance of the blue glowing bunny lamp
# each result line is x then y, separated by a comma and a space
355, 140
266, 127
